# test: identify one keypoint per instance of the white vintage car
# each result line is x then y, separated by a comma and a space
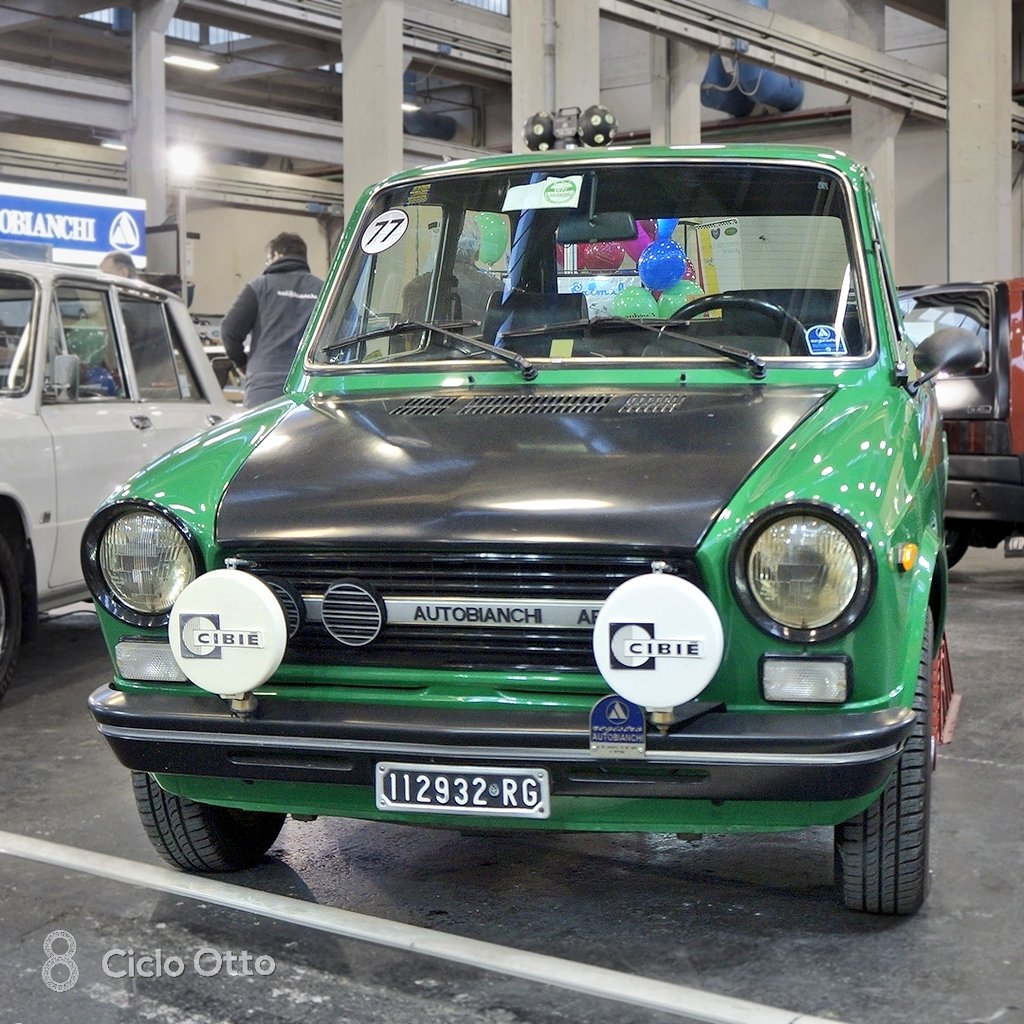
99, 375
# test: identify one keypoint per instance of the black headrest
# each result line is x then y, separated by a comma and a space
531, 309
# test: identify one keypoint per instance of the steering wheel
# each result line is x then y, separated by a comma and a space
727, 300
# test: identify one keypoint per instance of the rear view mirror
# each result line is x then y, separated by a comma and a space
950, 350
613, 226
65, 378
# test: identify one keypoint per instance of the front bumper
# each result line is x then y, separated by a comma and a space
718, 755
985, 487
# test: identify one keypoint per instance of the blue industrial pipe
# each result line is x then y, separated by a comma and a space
748, 88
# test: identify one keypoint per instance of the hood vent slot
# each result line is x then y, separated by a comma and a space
535, 404
652, 403
427, 405
555, 405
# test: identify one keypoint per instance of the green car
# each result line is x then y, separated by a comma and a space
606, 493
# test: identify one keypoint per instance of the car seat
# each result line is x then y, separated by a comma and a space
530, 309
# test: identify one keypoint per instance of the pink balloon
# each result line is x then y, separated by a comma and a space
635, 246
600, 256
690, 273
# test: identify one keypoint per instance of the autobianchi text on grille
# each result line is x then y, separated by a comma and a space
545, 614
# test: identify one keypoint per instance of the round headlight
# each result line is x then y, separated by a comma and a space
804, 575
146, 561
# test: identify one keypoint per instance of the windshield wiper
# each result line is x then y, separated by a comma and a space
446, 330
744, 356
758, 367
402, 327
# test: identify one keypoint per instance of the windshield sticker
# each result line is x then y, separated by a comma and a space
551, 193
418, 195
384, 231
825, 340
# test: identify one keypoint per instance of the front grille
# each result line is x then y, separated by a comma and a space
472, 576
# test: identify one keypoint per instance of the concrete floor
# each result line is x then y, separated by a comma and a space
753, 918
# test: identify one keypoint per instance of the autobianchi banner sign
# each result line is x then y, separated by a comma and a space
78, 227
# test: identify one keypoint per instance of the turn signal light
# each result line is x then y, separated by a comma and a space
906, 557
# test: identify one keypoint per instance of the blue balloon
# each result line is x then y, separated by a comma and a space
661, 264
666, 225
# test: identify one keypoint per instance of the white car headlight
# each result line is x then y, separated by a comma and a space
804, 574
137, 561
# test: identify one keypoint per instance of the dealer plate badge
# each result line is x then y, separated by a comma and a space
618, 728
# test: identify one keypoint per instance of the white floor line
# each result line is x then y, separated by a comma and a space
680, 1000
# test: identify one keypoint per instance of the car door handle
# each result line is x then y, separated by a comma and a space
141, 422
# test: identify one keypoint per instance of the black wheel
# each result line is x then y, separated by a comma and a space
10, 614
957, 543
881, 855
202, 837
726, 300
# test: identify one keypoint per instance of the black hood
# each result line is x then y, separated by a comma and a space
604, 467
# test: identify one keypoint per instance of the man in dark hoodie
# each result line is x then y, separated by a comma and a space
274, 309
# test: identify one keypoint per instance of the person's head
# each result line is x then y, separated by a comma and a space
469, 241
118, 263
286, 244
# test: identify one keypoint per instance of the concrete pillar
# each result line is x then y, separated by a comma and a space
677, 69
147, 139
533, 63
979, 139
371, 50
556, 58
577, 53
874, 126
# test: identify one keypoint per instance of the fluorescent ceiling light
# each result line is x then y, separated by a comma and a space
409, 107
194, 63
112, 144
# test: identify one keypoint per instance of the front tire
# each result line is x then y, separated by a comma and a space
957, 543
881, 855
202, 837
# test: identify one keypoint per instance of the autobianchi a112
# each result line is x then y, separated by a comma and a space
605, 494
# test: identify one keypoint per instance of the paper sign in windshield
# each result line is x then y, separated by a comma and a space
551, 193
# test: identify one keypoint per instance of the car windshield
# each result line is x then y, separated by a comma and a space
635, 259
17, 302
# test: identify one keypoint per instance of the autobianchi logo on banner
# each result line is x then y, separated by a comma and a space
79, 226
634, 646
124, 233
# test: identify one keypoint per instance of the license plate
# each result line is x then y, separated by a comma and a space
455, 789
